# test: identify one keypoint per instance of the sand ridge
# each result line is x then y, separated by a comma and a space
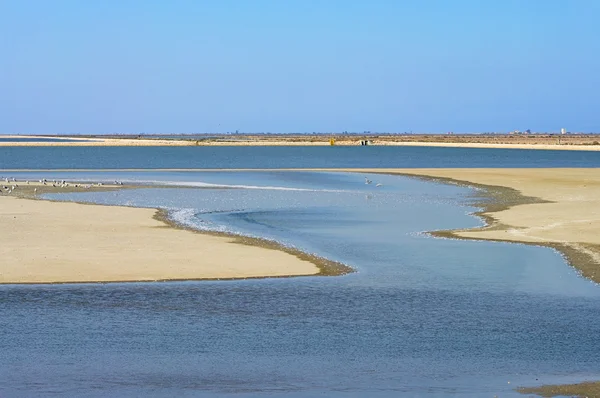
59, 242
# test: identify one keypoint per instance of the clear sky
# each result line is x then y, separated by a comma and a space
195, 66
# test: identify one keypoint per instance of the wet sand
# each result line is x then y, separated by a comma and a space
587, 389
63, 242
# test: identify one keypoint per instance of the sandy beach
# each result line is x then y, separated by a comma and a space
559, 208
55, 242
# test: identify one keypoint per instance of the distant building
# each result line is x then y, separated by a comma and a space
563, 131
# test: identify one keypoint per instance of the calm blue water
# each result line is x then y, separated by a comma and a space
422, 317
285, 157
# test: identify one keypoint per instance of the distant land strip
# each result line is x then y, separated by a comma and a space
587, 142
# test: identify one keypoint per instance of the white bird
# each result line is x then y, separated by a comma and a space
367, 181
379, 184
35, 190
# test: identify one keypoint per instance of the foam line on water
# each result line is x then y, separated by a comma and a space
188, 217
238, 186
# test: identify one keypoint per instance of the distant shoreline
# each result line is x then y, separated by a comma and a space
582, 142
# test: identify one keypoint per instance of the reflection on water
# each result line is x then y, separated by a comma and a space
422, 317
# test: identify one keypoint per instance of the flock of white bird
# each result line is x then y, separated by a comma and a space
12, 184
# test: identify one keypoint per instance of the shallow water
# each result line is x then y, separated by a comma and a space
421, 317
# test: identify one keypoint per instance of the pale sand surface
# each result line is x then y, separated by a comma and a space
77, 141
53, 242
446, 141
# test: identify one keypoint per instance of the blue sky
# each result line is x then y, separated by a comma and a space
154, 66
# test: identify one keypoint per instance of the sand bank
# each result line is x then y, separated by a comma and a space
81, 141
58, 242
559, 208
501, 141
586, 389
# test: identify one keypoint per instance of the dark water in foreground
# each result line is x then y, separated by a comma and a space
298, 338
422, 317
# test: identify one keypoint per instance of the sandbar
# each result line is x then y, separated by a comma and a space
64, 242
579, 142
